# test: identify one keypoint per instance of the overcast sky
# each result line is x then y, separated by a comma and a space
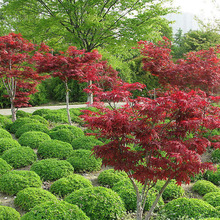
202, 8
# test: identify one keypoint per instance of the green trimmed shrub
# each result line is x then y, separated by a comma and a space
192, 208
75, 111
42, 112
203, 186
54, 149
31, 127
83, 160
16, 180
212, 176
126, 191
22, 114
85, 142
63, 135
213, 198
98, 203
216, 156
58, 210
69, 184
30, 197
5, 122
56, 116
4, 133
8, 143
41, 119
77, 132
8, 213
4, 167
52, 169
172, 191
33, 139
110, 177
19, 156
19, 123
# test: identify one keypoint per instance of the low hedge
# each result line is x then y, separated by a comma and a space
5, 122
52, 169
110, 177
85, 142
55, 211
203, 186
77, 132
98, 203
212, 176
213, 198
29, 197
83, 160
126, 191
63, 135
8, 143
69, 184
31, 127
8, 213
190, 208
56, 116
4, 167
14, 181
215, 156
33, 139
19, 123
4, 133
19, 157
172, 191
54, 149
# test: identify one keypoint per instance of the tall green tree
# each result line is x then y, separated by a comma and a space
87, 24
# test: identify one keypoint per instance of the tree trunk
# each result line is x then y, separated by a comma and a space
13, 111
90, 96
139, 209
156, 200
67, 103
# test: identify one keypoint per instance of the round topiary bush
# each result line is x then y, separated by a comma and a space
19, 123
56, 116
216, 156
33, 139
5, 122
16, 180
98, 203
111, 177
7, 143
55, 211
54, 149
22, 114
40, 119
203, 186
77, 132
52, 169
172, 191
42, 112
8, 213
4, 133
126, 191
19, 156
63, 135
69, 184
85, 142
213, 198
4, 167
212, 176
192, 208
31, 127
30, 197
82, 161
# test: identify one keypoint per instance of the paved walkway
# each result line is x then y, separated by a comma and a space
7, 111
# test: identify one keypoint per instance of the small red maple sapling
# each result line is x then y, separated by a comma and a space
17, 70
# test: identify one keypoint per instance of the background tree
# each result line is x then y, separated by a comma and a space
17, 70
90, 24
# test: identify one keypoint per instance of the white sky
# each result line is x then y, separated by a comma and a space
205, 9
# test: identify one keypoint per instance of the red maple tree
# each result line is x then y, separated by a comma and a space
17, 70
